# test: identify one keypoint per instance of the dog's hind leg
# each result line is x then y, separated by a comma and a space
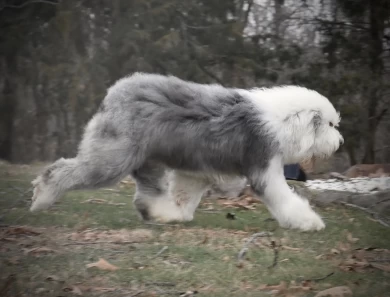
72, 174
152, 198
166, 196
187, 191
101, 161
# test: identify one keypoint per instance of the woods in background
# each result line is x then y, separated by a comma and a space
58, 57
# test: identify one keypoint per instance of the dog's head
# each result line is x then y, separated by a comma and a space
304, 122
311, 126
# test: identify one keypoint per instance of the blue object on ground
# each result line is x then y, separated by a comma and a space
294, 172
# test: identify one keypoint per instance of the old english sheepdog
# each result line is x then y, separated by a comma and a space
177, 138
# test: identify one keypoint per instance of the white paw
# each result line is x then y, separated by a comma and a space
297, 214
42, 197
165, 211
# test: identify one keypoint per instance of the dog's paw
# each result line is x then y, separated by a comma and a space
299, 215
306, 222
43, 197
162, 210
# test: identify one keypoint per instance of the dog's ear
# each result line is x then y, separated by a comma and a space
316, 119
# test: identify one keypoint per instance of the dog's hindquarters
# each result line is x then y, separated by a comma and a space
103, 159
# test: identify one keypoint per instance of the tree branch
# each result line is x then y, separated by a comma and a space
28, 3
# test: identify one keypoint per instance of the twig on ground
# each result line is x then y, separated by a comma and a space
136, 293
276, 254
159, 253
379, 202
320, 278
97, 242
161, 284
244, 250
372, 213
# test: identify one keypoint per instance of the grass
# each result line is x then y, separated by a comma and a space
201, 255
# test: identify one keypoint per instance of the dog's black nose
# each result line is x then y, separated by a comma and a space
341, 141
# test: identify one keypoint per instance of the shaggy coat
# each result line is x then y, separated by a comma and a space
177, 138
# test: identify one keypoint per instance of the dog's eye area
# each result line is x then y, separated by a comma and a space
331, 124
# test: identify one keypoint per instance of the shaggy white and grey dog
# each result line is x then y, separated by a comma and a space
176, 138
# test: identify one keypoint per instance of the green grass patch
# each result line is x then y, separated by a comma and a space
201, 255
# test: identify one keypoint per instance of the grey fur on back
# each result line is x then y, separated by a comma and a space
182, 125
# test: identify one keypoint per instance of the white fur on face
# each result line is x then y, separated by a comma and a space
304, 122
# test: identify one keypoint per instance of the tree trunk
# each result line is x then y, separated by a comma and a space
7, 105
377, 19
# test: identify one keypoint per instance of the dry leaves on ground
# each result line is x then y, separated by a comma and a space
244, 202
114, 236
103, 201
38, 250
287, 290
81, 289
20, 231
352, 239
341, 291
368, 258
103, 265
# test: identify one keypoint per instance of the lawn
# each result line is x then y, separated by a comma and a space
92, 243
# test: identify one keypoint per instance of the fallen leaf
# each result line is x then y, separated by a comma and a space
103, 265
282, 286
226, 258
245, 202
39, 250
73, 289
21, 231
381, 266
102, 201
352, 264
76, 290
117, 203
335, 252
52, 278
344, 247
98, 201
291, 248
342, 291
40, 290
352, 239
10, 239
282, 289
362, 259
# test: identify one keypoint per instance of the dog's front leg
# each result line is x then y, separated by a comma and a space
290, 210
